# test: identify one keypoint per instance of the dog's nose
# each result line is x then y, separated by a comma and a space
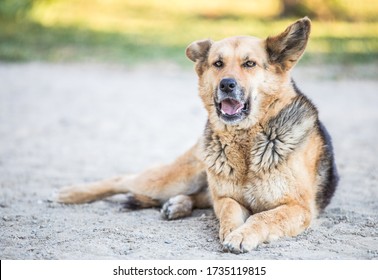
227, 85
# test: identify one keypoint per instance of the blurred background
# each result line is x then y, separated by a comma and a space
140, 31
91, 89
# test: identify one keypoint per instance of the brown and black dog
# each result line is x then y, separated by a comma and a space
264, 162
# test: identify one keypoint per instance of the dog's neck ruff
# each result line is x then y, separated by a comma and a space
282, 134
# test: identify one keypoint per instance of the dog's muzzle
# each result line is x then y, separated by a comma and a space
232, 106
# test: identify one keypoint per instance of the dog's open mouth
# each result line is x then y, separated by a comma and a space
232, 110
231, 107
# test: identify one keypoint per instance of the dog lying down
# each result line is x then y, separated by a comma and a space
264, 162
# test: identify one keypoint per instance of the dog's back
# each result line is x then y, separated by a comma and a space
327, 171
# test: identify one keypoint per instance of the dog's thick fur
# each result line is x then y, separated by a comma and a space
265, 162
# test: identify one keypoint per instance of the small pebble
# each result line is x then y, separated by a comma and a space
6, 218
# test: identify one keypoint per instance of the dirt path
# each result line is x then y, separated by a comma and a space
63, 124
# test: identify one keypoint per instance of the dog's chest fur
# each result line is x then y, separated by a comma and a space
251, 163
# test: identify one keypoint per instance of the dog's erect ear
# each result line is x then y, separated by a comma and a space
198, 50
287, 48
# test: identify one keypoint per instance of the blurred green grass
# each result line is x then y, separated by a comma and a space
130, 31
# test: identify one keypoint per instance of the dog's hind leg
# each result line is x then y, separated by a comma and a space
139, 201
153, 187
89, 192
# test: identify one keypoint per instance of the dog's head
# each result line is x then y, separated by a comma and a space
237, 74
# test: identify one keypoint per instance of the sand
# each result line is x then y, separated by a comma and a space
69, 123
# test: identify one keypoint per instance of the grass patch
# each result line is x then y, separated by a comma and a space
33, 41
142, 31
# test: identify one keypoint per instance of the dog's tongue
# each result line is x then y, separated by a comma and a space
231, 107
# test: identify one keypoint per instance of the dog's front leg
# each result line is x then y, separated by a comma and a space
285, 220
231, 215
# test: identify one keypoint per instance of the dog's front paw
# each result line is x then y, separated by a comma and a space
224, 232
239, 242
177, 207
226, 229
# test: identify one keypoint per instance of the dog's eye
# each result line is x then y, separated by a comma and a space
218, 64
249, 64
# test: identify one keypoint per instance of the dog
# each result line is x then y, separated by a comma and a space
264, 162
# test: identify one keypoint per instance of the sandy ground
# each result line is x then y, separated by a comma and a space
67, 123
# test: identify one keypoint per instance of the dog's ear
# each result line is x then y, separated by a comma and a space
285, 49
198, 50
